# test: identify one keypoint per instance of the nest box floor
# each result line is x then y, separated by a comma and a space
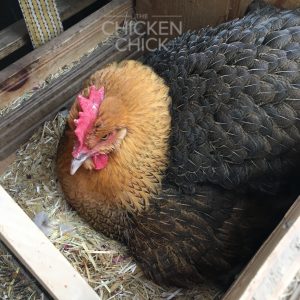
105, 263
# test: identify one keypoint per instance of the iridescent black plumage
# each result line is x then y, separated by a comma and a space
234, 147
236, 101
207, 236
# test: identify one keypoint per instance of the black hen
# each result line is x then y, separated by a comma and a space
235, 101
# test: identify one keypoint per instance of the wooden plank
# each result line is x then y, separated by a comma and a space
18, 125
35, 67
165, 17
39, 255
69, 8
13, 38
276, 263
16, 36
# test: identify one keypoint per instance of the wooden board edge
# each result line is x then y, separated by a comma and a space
16, 36
39, 255
18, 125
274, 265
13, 38
31, 70
192, 14
71, 8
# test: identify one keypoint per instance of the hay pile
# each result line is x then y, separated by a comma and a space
113, 274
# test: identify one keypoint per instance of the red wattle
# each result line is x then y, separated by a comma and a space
100, 161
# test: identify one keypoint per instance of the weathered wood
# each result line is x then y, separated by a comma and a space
39, 255
16, 36
35, 67
13, 38
69, 8
186, 15
276, 263
18, 125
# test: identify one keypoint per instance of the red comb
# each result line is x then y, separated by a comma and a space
87, 117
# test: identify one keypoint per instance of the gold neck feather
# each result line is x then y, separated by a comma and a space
134, 171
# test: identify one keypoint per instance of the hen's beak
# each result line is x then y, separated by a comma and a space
77, 162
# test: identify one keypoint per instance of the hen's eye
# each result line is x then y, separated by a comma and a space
104, 138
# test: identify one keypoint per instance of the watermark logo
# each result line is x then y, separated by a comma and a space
143, 34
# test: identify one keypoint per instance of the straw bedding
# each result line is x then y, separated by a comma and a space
113, 274
15, 282
106, 265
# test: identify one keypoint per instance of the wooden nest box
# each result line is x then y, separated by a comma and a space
30, 95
